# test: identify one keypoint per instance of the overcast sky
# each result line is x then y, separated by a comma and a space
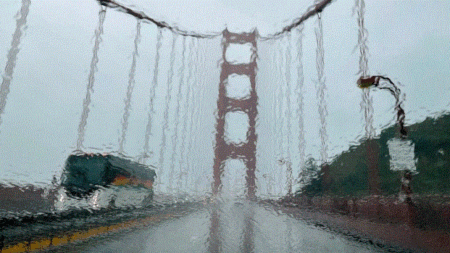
409, 41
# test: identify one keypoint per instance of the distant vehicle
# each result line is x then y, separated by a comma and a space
104, 181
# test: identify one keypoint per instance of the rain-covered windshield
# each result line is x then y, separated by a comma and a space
224, 126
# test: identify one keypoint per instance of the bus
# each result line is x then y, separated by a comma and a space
104, 181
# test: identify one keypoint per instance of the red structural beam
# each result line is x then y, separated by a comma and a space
245, 151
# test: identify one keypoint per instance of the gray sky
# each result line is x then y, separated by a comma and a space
409, 41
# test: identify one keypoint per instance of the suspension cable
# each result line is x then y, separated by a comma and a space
126, 113
177, 113
300, 103
148, 129
91, 79
188, 107
315, 9
12, 54
321, 87
288, 114
167, 103
366, 102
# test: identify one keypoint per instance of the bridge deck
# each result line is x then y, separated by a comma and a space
276, 225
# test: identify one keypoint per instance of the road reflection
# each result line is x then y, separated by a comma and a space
273, 231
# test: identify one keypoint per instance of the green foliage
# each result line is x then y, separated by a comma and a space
349, 171
310, 178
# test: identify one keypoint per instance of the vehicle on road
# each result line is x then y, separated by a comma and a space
104, 181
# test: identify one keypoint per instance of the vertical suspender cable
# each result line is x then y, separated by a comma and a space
288, 160
274, 173
366, 103
126, 113
321, 87
167, 103
299, 89
280, 132
193, 110
91, 80
372, 149
148, 129
12, 54
201, 84
187, 105
177, 114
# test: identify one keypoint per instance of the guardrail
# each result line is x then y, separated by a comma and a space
378, 220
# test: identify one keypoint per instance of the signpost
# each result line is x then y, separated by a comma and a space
402, 156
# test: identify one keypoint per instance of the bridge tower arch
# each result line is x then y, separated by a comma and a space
224, 149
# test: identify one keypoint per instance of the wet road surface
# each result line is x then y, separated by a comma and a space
242, 226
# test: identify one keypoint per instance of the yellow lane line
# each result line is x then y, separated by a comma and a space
79, 235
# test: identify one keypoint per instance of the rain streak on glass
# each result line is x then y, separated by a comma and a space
228, 138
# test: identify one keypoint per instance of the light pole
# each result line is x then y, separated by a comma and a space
367, 82
385, 83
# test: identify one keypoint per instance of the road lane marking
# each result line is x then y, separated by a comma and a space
46, 243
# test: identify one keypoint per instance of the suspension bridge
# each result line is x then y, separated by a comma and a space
246, 197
